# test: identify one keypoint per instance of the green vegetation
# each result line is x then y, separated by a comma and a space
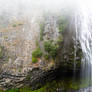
1, 52
41, 31
51, 49
37, 43
34, 60
20, 24
12, 90
47, 57
60, 39
36, 54
25, 89
66, 85
62, 23
14, 25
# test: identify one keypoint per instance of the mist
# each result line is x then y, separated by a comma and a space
34, 9
37, 7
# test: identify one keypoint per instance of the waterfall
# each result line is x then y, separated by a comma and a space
83, 24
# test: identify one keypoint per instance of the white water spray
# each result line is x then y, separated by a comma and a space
83, 23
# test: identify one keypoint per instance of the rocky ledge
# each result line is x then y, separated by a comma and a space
35, 78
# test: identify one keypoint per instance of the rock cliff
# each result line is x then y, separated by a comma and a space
32, 50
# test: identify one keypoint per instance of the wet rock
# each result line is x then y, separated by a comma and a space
10, 81
39, 77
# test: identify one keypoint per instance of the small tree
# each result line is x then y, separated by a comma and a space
51, 49
34, 60
37, 53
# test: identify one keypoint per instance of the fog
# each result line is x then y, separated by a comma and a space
37, 7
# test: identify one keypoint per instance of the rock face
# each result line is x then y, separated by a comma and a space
19, 41
69, 53
8, 81
18, 38
51, 31
39, 77
35, 78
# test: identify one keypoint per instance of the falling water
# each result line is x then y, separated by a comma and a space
83, 23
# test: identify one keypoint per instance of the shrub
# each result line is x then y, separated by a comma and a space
14, 25
47, 56
51, 48
62, 23
20, 24
60, 39
41, 35
53, 52
34, 60
1, 52
37, 53
12, 90
37, 43
47, 46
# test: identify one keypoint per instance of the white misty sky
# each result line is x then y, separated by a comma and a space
14, 6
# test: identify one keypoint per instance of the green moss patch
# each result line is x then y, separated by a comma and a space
34, 60
36, 54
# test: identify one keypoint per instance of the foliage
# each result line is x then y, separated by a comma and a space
62, 23
46, 56
37, 53
1, 90
25, 89
48, 46
37, 43
34, 60
41, 31
1, 52
12, 90
60, 39
67, 84
20, 24
51, 49
14, 25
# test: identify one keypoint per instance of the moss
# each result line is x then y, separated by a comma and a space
34, 60
1, 90
74, 86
